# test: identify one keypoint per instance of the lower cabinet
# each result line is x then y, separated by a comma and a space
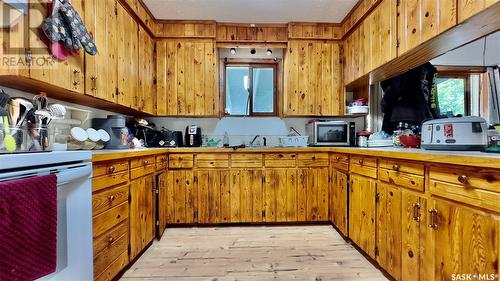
463, 240
338, 203
280, 195
182, 197
142, 213
313, 194
213, 196
246, 195
362, 213
162, 197
414, 265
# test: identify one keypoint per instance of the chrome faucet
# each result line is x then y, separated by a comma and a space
254, 139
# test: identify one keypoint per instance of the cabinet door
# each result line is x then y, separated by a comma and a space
468, 8
382, 38
280, 195
162, 202
187, 77
182, 197
421, 20
210, 184
362, 212
313, 79
464, 240
128, 59
14, 44
142, 213
338, 204
147, 90
67, 74
389, 229
246, 195
312, 196
101, 70
413, 237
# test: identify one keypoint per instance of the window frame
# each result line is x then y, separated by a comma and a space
251, 64
459, 75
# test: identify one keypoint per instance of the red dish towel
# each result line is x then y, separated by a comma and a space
28, 228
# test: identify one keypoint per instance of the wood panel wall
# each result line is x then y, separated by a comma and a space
185, 29
321, 31
360, 10
273, 33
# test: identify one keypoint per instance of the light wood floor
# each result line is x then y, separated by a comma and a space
252, 253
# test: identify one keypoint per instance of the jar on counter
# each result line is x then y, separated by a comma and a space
363, 138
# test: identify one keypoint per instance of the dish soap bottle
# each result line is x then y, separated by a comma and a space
225, 140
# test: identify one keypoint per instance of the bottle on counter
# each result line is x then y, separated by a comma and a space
225, 140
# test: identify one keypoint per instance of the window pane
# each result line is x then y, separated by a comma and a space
451, 95
237, 94
263, 90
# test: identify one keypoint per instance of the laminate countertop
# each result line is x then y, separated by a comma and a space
464, 158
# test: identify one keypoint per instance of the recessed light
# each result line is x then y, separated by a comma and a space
253, 51
233, 51
269, 52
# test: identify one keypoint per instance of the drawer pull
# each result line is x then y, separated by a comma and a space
416, 212
111, 198
395, 167
433, 213
146, 162
111, 169
337, 158
463, 179
360, 161
111, 240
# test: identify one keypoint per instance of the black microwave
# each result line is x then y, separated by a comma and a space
331, 133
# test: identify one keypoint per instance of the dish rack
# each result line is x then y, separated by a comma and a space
294, 141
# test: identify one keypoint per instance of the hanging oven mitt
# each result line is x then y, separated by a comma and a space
56, 29
80, 35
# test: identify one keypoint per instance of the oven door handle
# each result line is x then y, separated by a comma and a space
73, 174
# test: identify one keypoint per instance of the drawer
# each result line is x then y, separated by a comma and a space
109, 198
142, 161
106, 181
104, 241
477, 187
114, 268
105, 258
109, 168
313, 159
366, 171
142, 171
107, 220
180, 161
161, 162
246, 160
402, 166
339, 161
363, 161
212, 160
411, 181
280, 160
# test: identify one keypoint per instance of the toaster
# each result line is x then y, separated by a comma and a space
459, 133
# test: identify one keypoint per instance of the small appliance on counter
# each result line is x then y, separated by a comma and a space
494, 139
169, 138
193, 136
144, 132
331, 133
459, 133
115, 126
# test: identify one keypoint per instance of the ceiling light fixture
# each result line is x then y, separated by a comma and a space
253, 51
233, 51
269, 52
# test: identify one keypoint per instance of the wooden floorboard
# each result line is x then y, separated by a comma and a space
252, 253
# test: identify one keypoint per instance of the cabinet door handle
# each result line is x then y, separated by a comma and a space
463, 179
416, 212
395, 167
360, 161
433, 213
112, 198
93, 80
76, 77
111, 240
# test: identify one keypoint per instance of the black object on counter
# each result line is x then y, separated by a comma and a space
193, 136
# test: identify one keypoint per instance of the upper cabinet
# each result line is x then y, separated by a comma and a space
421, 20
67, 74
101, 70
147, 66
468, 8
313, 84
187, 77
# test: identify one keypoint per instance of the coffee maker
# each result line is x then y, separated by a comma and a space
193, 136
114, 125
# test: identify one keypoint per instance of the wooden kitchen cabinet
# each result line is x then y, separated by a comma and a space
147, 89
414, 264
187, 77
246, 195
142, 213
211, 183
362, 213
382, 36
182, 197
162, 196
468, 8
388, 225
101, 70
280, 195
339, 200
128, 59
463, 240
67, 74
421, 20
312, 194
312, 78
